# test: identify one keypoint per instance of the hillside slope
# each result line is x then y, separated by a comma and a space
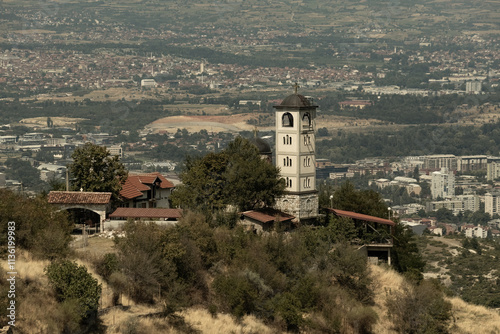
39, 312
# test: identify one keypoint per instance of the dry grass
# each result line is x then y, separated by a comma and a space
223, 323
120, 320
35, 302
384, 281
27, 268
469, 318
96, 246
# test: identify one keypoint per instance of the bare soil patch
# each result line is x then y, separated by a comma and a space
35, 122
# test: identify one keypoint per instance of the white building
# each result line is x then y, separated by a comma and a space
148, 83
116, 150
493, 169
476, 232
457, 204
492, 203
442, 184
473, 87
295, 156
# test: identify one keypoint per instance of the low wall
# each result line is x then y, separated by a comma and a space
114, 225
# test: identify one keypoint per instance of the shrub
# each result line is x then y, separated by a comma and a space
289, 309
349, 268
107, 265
419, 309
236, 293
73, 284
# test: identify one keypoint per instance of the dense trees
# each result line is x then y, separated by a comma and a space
236, 176
414, 140
94, 169
39, 228
277, 277
405, 254
22, 171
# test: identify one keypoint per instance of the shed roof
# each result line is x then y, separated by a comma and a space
78, 197
267, 215
360, 216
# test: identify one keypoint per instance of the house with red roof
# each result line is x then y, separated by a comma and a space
151, 190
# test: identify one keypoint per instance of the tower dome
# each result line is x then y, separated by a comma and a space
296, 101
262, 145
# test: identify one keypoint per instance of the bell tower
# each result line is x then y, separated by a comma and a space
296, 155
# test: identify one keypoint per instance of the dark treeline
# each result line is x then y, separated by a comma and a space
414, 140
408, 109
112, 117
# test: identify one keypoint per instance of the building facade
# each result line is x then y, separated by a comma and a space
442, 184
456, 204
439, 161
295, 156
492, 203
493, 169
472, 162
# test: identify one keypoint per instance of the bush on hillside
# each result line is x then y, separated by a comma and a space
75, 287
39, 227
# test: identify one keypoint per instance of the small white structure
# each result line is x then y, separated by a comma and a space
148, 83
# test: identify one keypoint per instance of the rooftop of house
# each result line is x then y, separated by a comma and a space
137, 183
78, 197
267, 215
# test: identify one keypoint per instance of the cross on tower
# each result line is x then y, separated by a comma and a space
296, 87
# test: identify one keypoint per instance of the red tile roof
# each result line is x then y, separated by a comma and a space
360, 216
137, 183
78, 197
146, 213
268, 215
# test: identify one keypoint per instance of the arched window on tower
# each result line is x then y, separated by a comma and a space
287, 120
306, 121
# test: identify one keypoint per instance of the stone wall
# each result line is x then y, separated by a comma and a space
303, 206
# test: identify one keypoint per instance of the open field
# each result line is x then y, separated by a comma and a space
36, 122
231, 123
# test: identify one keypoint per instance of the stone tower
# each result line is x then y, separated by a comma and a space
295, 156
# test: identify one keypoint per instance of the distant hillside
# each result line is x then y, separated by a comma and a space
467, 267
